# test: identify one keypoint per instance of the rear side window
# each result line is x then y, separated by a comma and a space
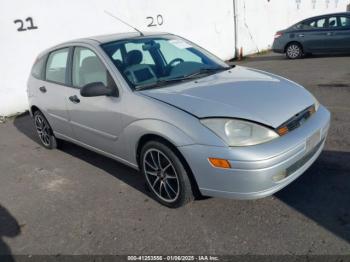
333, 22
37, 69
320, 23
56, 66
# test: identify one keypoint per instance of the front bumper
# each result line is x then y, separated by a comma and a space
255, 168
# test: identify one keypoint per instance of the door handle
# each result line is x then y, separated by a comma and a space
74, 99
329, 33
301, 35
42, 89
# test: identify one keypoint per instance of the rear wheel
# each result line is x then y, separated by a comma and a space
45, 133
165, 175
294, 51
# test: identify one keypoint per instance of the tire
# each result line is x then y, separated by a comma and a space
165, 175
44, 130
294, 51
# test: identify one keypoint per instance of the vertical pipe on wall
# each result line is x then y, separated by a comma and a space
235, 20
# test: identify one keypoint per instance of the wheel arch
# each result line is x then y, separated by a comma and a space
33, 109
155, 137
293, 42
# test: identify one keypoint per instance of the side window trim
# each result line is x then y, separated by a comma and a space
67, 65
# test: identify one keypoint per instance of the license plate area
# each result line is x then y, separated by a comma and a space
313, 140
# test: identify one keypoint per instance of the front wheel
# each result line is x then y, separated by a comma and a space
45, 133
165, 175
294, 51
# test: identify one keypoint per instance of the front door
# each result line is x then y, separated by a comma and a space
341, 33
96, 121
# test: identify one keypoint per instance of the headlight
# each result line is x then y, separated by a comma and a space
239, 133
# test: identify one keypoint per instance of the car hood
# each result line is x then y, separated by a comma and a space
240, 92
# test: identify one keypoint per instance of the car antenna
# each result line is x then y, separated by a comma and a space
125, 23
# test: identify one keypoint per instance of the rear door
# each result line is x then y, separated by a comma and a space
315, 34
52, 92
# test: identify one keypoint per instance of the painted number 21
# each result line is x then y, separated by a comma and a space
30, 24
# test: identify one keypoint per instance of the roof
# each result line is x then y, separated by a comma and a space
339, 13
120, 36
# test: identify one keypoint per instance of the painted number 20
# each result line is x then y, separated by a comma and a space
155, 21
22, 27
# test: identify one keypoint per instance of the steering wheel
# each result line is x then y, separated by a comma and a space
172, 62
171, 65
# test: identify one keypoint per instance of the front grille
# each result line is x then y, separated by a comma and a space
296, 121
290, 170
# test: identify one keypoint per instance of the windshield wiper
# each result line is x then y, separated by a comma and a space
162, 82
206, 70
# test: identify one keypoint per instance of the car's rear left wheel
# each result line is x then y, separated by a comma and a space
44, 130
294, 51
165, 175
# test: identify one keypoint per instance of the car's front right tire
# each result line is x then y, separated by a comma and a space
165, 175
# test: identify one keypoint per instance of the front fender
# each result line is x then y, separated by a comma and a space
133, 132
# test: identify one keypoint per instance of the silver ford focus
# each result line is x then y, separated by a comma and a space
188, 121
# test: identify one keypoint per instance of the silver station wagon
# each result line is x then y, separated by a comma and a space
189, 122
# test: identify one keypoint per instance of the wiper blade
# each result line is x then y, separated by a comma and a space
159, 83
206, 70
179, 79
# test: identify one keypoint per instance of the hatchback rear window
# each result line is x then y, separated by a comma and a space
37, 69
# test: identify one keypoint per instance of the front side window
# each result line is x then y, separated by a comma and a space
88, 68
157, 61
344, 21
56, 66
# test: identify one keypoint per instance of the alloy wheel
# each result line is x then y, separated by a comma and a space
43, 129
161, 175
293, 51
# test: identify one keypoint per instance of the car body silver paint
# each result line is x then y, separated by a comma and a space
113, 126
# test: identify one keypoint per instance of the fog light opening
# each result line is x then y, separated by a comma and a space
280, 176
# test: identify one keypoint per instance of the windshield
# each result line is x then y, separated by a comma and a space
148, 62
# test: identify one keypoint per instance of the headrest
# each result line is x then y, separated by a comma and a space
134, 57
91, 64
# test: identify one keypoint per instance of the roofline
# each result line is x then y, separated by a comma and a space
338, 13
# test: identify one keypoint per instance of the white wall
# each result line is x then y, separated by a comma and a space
210, 23
206, 22
259, 20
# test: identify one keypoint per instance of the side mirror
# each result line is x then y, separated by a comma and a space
97, 89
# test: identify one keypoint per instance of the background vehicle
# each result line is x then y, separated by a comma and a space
187, 120
321, 34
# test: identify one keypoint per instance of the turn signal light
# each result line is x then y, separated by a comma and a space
220, 163
312, 110
282, 131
